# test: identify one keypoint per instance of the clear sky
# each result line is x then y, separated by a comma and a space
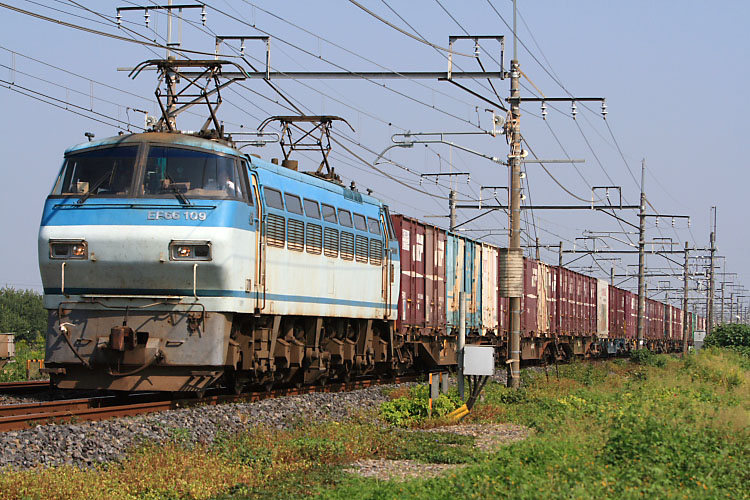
674, 73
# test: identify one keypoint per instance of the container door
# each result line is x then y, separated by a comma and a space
602, 309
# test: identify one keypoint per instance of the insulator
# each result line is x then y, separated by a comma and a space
573, 109
688, 223
203, 15
672, 221
604, 109
146, 15
544, 111
476, 48
607, 193
242, 48
119, 19
657, 222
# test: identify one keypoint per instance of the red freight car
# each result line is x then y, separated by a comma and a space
539, 316
422, 302
576, 303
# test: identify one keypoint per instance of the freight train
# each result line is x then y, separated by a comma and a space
174, 262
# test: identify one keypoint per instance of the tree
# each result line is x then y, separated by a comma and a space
734, 336
22, 313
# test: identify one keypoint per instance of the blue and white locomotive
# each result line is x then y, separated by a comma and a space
174, 262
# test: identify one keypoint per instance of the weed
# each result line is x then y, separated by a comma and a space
413, 408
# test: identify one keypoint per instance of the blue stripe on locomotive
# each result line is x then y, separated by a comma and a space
145, 211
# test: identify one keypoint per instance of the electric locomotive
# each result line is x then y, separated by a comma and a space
175, 262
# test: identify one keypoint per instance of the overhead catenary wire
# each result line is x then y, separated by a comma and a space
97, 32
64, 105
404, 32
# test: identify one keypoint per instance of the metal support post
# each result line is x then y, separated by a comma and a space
685, 303
612, 276
452, 209
642, 261
722, 318
710, 305
461, 342
537, 249
560, 256
434, 392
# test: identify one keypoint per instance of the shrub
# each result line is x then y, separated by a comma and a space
648, 358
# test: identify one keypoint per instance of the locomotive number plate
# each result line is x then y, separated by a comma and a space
175, 215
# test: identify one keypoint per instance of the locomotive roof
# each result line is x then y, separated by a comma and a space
160, 137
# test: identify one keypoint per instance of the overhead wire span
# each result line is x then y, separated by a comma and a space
97, 32
42, 98
553, 177
404, 32
333, 44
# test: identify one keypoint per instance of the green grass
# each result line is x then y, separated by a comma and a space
667, 429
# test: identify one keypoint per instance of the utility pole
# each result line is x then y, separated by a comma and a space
685, 303
452, 208
612, 276
710, 305
514, 214
642, 260
537, 249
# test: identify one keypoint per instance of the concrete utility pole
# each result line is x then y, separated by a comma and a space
685, 303
710, 305
514, 214
642, 261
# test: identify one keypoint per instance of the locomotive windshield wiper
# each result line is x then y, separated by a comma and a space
96, 186
178, 194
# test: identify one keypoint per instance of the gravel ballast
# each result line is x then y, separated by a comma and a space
90, 443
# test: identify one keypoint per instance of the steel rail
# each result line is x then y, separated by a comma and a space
25, 415
23, 386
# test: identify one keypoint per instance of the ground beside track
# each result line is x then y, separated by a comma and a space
609, 430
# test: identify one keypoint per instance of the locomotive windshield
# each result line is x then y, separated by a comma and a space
190, 173
101, 172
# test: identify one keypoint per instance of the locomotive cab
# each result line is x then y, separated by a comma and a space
138, 250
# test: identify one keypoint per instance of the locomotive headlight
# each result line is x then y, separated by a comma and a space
68, 249
190, 250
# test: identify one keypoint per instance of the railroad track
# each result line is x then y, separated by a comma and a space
24, 415
23, 387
